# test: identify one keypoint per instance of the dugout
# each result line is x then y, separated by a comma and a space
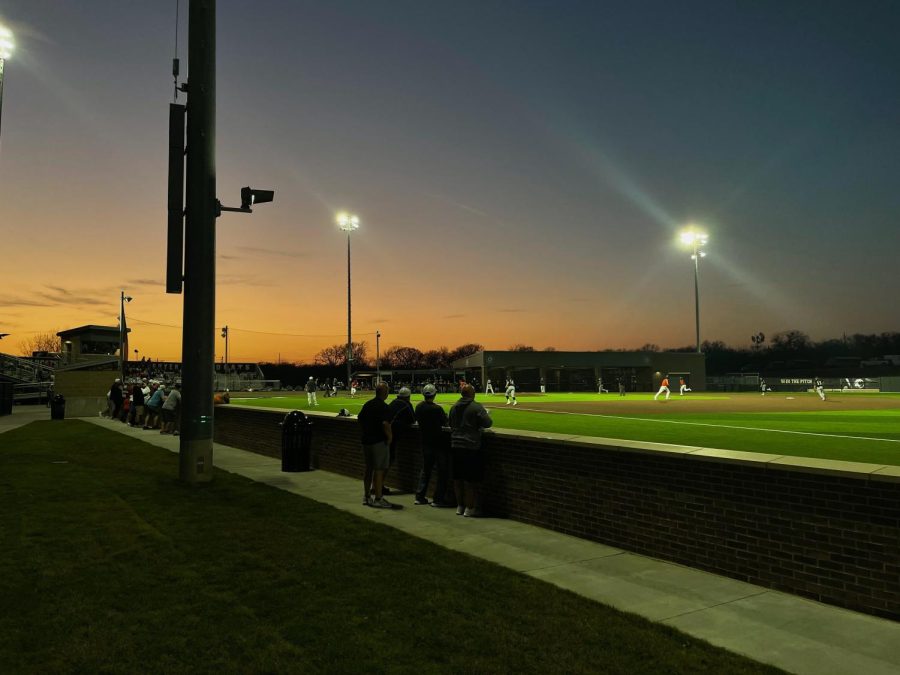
583, 371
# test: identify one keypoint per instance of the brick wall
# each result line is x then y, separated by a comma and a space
825, 530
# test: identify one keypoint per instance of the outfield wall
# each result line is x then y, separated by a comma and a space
822, 529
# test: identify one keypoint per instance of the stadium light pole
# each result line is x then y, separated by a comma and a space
348, 223
6, 49
696, 240
123, 334
225, 335
377, 357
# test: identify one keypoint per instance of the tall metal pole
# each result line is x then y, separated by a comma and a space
122, 335
349, 333
198, 337
697, 291
226, 357
377, 357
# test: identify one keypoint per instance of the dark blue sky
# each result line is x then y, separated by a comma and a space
520, 168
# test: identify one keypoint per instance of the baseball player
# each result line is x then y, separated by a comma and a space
762, 386
311, 392
682, 386
511, 392
353, 386
543, 386
820, 388
600, 389
489, 388
663, 387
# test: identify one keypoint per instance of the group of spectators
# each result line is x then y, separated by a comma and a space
148, 404
381, 423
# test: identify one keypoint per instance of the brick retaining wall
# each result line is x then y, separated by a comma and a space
821, 529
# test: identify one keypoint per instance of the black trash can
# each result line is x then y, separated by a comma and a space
296, 439
58, 407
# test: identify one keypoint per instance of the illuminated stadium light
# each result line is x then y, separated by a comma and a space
6, 42
695, 238
347, 222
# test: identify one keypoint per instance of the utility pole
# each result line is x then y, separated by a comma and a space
377, 357
198, 341
225, 335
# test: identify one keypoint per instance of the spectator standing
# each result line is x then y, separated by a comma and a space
311, 392
137, 397
402, 417
154, 405
468, 419
375, 425
115, 398
432, 419
171, 411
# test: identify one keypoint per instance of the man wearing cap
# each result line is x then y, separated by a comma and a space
432, 419
402, 417
311, 391
468, 420
375, 425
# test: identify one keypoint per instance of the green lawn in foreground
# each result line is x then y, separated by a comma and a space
110, 565
757, 432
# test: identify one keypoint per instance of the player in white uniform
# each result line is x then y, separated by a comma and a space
311, 392
762, 386
511, 392
682, 386
489, 388
820, 388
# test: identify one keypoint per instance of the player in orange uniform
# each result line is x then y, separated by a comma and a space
663, 387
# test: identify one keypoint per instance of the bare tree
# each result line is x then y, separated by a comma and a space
436, 358
335, 355
521, 348
463, 351
407, 358
549, 349
649, 347
41, 342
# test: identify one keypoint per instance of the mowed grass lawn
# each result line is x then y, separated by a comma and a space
871, 436
109, 564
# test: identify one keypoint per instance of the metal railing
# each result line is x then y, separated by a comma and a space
23, 370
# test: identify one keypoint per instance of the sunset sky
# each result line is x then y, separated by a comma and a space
521, 170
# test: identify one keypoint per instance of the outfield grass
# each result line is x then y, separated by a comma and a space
871, 436
111, 565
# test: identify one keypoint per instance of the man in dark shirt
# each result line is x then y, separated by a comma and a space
432, 419
402, 417
468, 420
375, 425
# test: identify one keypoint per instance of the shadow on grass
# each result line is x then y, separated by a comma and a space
110, 564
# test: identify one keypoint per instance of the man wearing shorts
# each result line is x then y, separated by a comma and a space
375, 425
468, 420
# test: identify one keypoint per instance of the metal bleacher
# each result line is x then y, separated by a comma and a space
31, 380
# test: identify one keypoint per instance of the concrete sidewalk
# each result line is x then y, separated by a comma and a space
792, 633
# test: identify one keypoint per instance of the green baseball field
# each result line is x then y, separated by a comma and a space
857, 427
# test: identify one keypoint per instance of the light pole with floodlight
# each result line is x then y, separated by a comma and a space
6, 50
348, 223
377, 357
123, 333
696, 239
